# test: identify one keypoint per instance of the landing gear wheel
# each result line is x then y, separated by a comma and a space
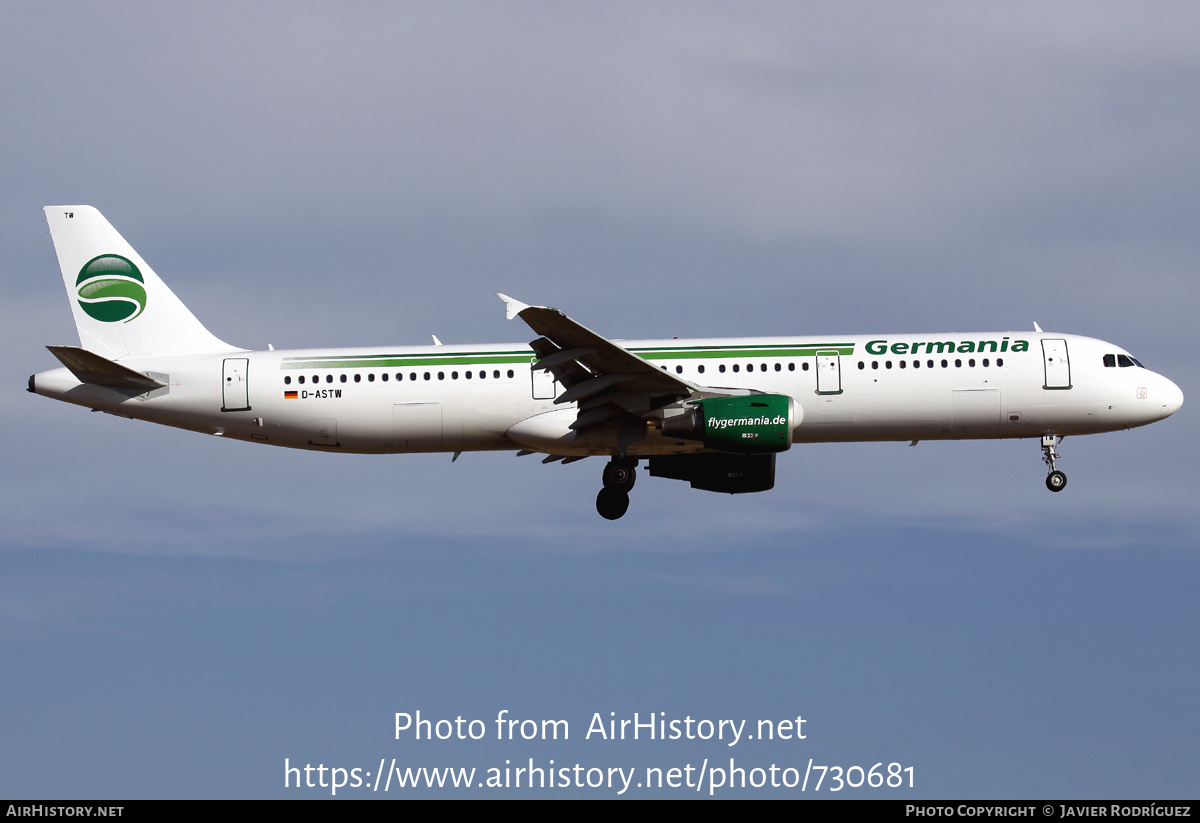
620, 475
612, 503
1056, 481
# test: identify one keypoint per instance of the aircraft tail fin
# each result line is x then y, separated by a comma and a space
121, 306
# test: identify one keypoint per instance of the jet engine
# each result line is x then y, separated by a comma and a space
747, 424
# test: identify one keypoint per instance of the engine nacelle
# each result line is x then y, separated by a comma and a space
749, 424
726, 473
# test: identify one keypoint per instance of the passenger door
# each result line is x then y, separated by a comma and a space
1058, 365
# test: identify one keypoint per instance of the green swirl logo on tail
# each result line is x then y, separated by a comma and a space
111, 288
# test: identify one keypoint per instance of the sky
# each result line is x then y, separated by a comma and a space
182, 616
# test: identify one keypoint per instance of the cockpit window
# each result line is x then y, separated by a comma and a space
1122, 360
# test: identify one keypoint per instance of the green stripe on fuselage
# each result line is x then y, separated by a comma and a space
402, 362
361, 361
364, 361
712, 353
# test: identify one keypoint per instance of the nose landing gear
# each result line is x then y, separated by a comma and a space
619, 476
1056, 481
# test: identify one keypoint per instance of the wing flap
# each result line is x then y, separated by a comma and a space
562, 356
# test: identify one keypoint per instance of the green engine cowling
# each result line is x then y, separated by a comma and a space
750, 424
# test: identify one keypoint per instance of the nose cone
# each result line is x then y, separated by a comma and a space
1170, 398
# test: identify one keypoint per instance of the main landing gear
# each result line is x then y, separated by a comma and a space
1056, 481
619, 476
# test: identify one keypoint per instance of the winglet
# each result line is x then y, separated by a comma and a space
514, 307
1036, 327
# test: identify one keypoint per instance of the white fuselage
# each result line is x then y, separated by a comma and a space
468, 398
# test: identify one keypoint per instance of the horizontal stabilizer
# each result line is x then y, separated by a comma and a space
90, 367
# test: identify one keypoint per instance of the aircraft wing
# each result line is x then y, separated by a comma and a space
601, 376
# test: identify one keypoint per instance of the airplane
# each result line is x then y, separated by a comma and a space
710, 412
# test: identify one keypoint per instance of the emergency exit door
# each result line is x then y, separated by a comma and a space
545, 387
829, 373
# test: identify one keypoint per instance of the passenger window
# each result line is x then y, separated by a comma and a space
805, 366
700, 369
358, 378
721, 368
874, 364
287, 381
300, 379
861, 365
791, 366
329, 378
985, 362
371, 378
343, 378
778, 367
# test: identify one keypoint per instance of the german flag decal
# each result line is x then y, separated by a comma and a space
290, 395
